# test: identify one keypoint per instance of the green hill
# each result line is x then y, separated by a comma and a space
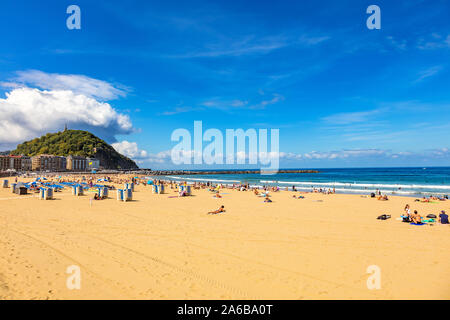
79, 143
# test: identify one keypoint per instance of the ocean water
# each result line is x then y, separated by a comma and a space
399, 181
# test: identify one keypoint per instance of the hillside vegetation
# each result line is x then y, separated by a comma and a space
76, 142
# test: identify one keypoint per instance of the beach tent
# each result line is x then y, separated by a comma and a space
128, 195
45, 194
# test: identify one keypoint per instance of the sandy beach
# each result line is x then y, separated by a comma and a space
161, 247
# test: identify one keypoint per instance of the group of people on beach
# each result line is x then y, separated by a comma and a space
263, 192
432, 198
416, 218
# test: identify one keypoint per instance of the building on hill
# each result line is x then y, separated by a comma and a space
49, 162
76, 163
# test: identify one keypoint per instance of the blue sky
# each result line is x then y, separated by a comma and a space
342, 95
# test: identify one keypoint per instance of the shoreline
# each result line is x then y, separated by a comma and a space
319, 185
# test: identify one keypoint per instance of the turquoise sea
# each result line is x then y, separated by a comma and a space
400, 181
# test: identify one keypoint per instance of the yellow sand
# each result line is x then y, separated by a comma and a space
157, 247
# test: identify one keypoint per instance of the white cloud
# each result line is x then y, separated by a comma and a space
428, 73
311, 40
252, 45
351, 117
437, 42
163, 159
130, 149
229, 105
399, 44
276, 98
79, 84
216, 103
344, 154
28, 113
246, 46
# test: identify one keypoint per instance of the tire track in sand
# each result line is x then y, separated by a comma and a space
81, 265
189, 273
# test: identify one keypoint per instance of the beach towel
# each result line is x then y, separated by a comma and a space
417, 224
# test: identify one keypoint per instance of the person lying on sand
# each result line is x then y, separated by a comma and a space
217, 196
182, 193
256, 191
221, 209
96, 197
267, 199
416, 218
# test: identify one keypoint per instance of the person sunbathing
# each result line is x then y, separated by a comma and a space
96, 197
267, 199
256, 192
416, 218
221, 209
182, 193
217, 195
